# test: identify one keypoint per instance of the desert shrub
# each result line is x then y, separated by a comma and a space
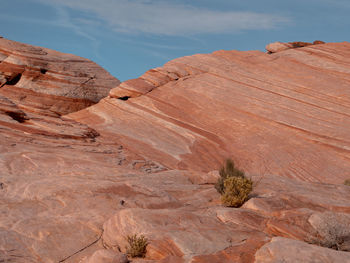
233, 186
136, 246
226, 171
236, 191
332, 230
347, 182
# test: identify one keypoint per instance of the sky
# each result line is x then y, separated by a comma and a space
129, 37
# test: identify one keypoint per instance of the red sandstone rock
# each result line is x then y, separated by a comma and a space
106, 256
43, 79
318, 42
75, 184
284, 113
279, 46
290, 251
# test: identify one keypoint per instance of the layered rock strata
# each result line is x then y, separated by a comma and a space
143, 160
285, 113
50, 82
279, 46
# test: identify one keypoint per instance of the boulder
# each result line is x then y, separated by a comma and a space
277, 47
289, 251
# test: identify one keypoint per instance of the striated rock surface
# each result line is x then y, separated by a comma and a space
290, 251
50, 82
285, 113
279, 46
144, 159
106, 256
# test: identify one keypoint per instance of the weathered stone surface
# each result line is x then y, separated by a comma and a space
75, 184
279, 46
318, 42
106, 256
285, 113
186, 233
331, 230
44, 80
290, 251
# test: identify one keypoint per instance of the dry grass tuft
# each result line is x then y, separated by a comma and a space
137, 246
233, 185
237, 191
226, 171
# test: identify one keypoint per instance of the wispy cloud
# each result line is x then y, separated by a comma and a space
165, 18
64, 20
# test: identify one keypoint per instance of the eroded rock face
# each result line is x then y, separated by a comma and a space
106, 256
290, 251
279, 46
285, 113
50, 82
73, 186
39, 85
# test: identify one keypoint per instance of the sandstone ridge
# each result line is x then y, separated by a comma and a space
144, 158
48, 81
285, 113
279, 46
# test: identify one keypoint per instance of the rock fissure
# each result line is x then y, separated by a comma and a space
124, 98
82, 249
88, 80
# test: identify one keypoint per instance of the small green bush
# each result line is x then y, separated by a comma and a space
137, 246
226, 171
237, 190
347, 182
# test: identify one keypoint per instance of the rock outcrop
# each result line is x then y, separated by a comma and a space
50, 82
143, 160
290, 251
279, 46
285, 113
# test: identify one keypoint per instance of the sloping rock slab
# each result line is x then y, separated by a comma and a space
290, 251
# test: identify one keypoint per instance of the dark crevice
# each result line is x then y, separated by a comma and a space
124, 98
89, 79
14, 80
43, 71
17, 116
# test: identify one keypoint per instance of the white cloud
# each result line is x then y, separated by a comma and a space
164, 18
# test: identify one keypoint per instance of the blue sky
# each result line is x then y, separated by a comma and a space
128, 37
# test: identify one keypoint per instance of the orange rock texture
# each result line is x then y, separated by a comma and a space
50, 82
285, 113
78, 174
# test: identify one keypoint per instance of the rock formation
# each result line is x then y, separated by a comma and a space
78, 174
285, 113
279, 46
49, 82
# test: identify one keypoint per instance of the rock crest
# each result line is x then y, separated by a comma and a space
279, 46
